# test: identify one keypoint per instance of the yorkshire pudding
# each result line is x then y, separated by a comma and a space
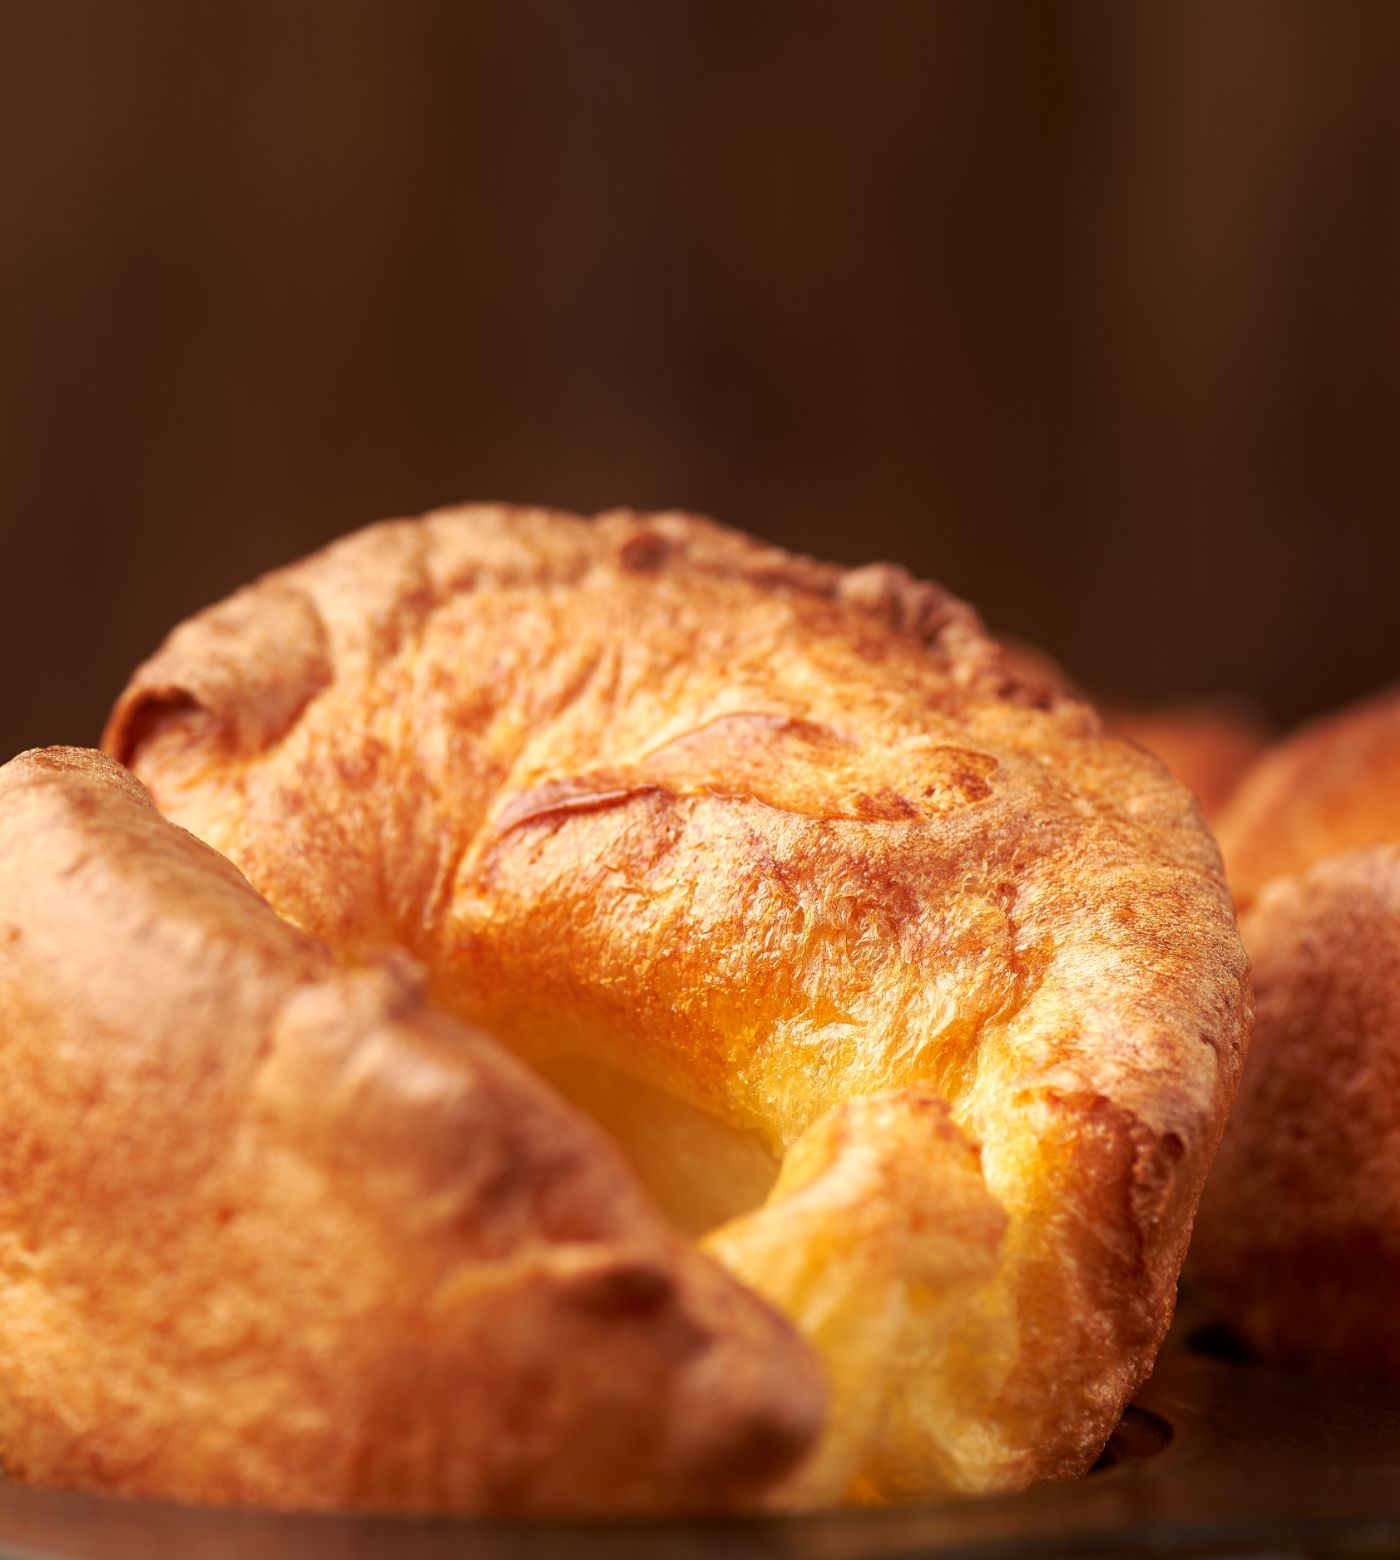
275, 1233
1333, 785
1298, 1241
912, 994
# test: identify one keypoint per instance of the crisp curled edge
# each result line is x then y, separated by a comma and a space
201, 673
251, 663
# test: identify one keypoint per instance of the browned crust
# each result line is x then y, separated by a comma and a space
773, 835
1298, 1239
1332, 785
276, 1234
1209, 745
254, 660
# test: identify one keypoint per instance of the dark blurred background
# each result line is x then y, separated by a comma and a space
1089, 309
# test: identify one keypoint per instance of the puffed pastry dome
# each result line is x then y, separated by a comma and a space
1298, 1242
914, 1001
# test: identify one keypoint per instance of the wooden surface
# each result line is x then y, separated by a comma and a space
1089, 309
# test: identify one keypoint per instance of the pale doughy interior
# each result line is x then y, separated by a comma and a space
700, 1171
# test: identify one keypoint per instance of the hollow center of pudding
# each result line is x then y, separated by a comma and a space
699, 1170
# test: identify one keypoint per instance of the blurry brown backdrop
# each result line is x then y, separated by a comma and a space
1090, 309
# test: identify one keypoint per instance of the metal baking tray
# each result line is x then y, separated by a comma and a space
1218, 1457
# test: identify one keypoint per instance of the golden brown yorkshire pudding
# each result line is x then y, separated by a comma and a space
275, 1233
1333, 785
917, 997
1299, 1236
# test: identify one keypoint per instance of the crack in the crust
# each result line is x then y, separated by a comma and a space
997, 1022
1026, 985
604, 659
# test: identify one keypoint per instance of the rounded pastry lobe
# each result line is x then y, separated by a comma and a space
1298, 1239
278, 1234
1333, 785
1209, 745
914, 996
